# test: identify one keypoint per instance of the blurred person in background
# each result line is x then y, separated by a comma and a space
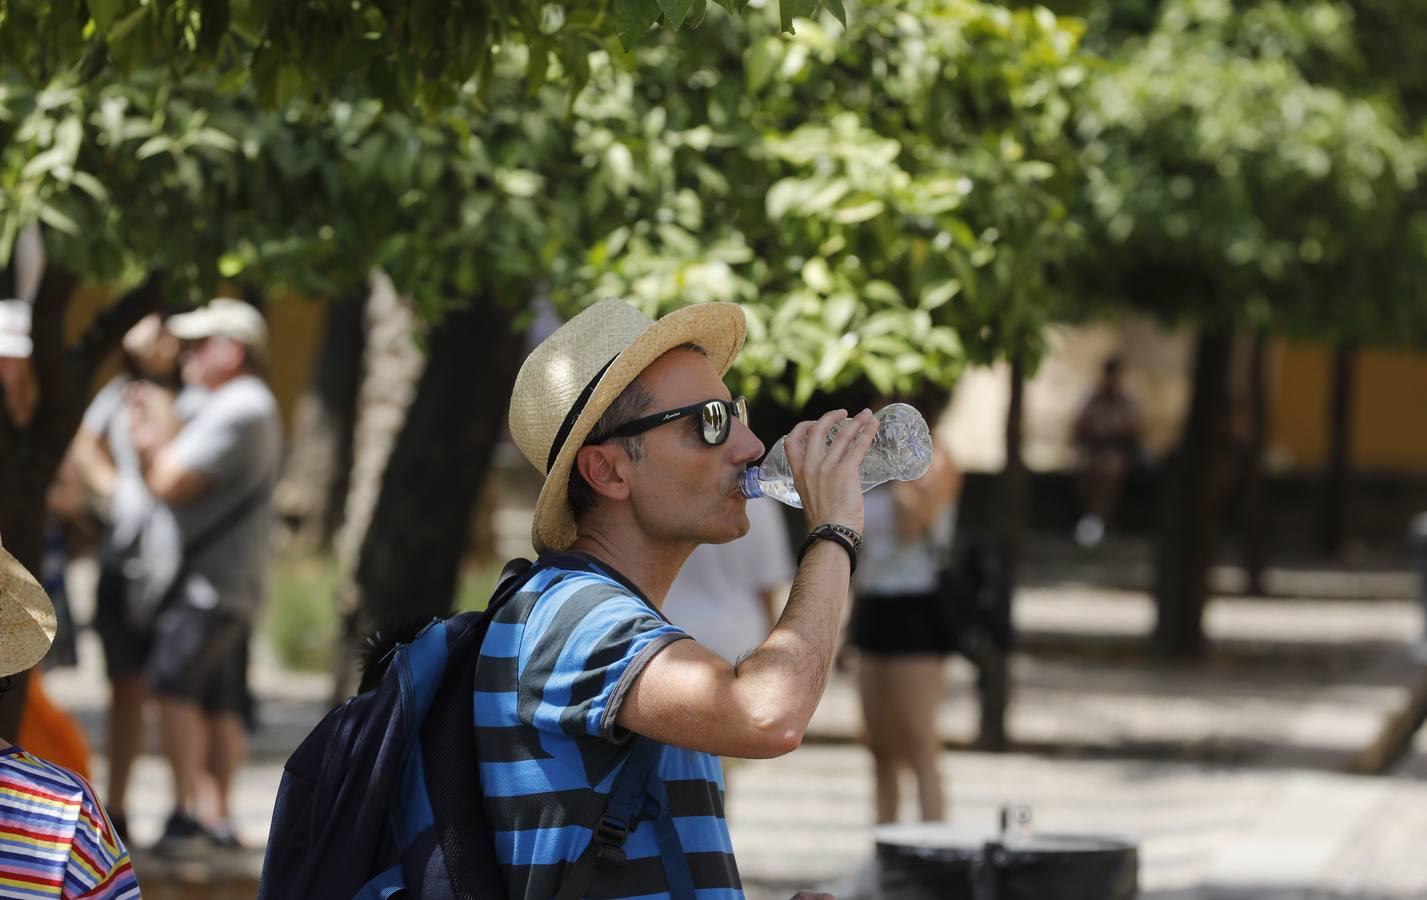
43, 727
727, 595
55, 838
103, 455
213, 475
899, 625
1107, 440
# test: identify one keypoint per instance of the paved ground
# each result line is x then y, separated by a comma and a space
1232, 775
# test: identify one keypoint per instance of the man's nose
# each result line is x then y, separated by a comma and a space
747, 446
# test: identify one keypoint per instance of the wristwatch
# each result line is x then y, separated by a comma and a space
844, 537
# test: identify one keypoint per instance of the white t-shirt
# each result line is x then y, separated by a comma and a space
234, 440
889, 565
716, 596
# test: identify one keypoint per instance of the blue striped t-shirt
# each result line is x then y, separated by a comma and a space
559, 658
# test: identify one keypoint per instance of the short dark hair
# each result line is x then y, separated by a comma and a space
634, 401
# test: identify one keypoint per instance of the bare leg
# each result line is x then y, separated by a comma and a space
910, 695
226, 745
184, 738
877, 716
1106, 475
126, 736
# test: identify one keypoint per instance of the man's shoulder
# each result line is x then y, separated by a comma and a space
568, 594
245, 397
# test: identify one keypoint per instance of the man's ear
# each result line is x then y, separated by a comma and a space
603, 468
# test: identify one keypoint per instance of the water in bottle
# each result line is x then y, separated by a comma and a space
902, 450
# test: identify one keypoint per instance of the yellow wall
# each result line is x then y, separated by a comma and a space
1389, 408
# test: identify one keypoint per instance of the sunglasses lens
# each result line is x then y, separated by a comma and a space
715, 423
740, 410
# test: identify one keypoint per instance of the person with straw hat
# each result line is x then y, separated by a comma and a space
56, 840
642, 447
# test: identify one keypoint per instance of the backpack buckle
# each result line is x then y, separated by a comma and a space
610, 835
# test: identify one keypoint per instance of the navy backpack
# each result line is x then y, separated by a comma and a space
382, 799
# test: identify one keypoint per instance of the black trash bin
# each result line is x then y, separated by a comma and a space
939, 862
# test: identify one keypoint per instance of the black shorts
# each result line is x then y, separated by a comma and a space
126, 646
201, 655
900, 625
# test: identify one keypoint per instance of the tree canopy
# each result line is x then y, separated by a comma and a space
403, 51
887, 202
1225, 185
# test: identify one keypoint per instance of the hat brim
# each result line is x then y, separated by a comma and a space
27, 618
719, 328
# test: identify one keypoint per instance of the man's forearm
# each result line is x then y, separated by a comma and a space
788, 671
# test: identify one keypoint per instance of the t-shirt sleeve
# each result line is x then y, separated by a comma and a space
99, 865
585, 645
220, 438
104, 407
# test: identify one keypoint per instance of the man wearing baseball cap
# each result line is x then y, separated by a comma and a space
55, 838
642, 447
213, 474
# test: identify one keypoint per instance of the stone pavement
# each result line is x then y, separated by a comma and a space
1233, 775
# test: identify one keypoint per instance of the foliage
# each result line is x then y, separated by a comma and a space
151, 174
886, 205
402, 51
1225, 186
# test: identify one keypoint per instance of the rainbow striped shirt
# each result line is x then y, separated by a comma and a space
55, 838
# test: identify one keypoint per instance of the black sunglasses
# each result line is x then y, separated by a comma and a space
715, 420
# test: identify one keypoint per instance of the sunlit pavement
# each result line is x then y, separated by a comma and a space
1230, 774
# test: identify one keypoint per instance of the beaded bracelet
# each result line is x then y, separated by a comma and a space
844, 537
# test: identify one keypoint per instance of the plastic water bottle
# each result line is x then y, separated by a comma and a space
902, 450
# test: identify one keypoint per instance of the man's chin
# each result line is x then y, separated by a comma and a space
738, 527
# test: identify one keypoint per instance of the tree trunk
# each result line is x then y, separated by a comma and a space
30, 455
1010, 527
391, 367
1333, 515
1186, 539
1252, 526
313, 491
410, 554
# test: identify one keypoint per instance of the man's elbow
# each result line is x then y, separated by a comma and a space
776, 735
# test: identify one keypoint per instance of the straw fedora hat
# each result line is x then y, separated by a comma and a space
27, 618
572, 377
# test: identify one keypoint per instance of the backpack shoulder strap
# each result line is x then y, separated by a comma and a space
626, 798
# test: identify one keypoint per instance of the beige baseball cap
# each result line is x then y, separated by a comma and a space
223, 317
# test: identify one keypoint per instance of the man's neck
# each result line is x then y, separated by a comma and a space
651, 565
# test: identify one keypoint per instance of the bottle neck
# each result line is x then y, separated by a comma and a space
749, 484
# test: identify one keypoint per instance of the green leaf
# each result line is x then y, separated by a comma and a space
675, 11
90, 185
791, 9
103, 12
154, 146
838, 10
633, 19
939, 294
838, 311
58, 220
